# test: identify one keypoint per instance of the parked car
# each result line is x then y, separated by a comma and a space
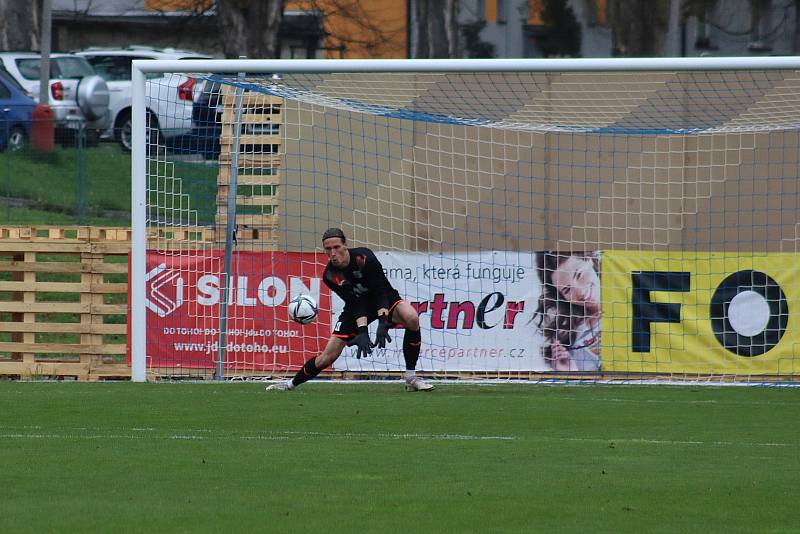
78, 97
207, 119
169, 97
207, 122
16, 111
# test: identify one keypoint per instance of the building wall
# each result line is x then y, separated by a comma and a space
372, 28
79, 24
505, 22
380, 28
728, 35
76, 36
595, 31
776, 32
355, 28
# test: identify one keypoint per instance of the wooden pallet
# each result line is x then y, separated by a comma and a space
181, 237
60, 286
259, 166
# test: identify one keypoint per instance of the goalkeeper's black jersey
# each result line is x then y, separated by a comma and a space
362, 285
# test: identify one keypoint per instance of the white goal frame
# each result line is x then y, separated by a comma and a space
140, 68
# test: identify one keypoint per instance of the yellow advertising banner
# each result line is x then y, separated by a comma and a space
701, 313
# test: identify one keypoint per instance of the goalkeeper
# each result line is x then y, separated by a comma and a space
357, 277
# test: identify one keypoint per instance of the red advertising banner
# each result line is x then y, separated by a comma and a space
183, 300
487, 311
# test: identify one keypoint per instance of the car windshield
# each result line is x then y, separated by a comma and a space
29, 68
72, 67
11, 80
113, 68
60, 68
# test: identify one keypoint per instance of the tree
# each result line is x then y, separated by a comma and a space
250, 27
20, 28
746, 24
796, 39
564, 37
434, 28
474, 46
638, 27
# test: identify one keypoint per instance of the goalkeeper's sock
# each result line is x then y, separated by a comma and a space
411, 345
306, 373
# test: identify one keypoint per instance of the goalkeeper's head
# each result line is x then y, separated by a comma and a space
335, 245
334, 232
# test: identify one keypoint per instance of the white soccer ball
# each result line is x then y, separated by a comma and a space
303, 309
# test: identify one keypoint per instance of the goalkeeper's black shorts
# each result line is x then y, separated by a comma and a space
346, 327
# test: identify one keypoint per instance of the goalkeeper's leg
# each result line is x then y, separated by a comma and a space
404, 314
315, 365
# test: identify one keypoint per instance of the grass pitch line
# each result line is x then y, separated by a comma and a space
200, 435
645, 441
209, 435
392, 436
678, 401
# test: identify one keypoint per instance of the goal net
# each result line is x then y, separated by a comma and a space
564, 220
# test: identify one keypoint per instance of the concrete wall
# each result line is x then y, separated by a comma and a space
610, 184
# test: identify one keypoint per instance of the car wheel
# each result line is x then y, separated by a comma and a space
123, 131
17, 139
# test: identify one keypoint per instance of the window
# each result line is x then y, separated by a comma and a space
60, 68
29, 68
703, 40
5, 93
112, 68
760, 12
70, 68
10, 80
501, 11
116, 68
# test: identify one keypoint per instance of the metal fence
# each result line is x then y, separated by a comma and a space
82, 180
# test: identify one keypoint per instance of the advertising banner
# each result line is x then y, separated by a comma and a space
184, 302
492, 311
478, 311
704, 313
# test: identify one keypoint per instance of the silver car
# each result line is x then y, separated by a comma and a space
169, 97
78, 96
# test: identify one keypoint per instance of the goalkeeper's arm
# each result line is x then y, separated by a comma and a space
377, 282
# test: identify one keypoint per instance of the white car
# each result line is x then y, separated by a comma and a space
78, 97
169, 97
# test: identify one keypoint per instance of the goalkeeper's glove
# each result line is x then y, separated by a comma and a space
361, 341
382, 337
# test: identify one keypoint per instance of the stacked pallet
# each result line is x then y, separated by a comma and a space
63, 303
180, 237
259, 164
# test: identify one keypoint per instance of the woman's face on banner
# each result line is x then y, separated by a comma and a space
576, 280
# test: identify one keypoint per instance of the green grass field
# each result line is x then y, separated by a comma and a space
78, 457
57, 188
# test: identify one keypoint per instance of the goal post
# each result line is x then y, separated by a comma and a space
575, 219
136, 276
